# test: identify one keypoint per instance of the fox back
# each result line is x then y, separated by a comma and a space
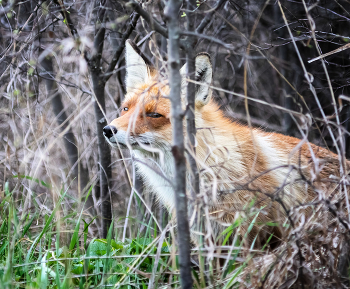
245, 174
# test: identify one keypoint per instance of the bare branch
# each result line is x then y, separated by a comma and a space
120, 49
155, 25
342, 48
207, 37
69, 21
209, 16
171, 12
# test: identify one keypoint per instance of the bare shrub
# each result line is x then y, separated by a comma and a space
278, 66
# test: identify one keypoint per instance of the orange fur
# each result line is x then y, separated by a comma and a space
237, 165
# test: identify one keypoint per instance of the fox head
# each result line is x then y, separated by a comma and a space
145, 120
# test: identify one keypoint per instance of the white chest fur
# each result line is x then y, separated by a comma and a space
157, 178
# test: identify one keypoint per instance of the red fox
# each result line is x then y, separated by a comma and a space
238, 166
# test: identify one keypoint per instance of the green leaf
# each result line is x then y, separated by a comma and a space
87, 261
98, 247
251, 225
230, 229
117, 245
267, 242
77, 268
75, 236
3, 247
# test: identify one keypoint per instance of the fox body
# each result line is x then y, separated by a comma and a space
238, 165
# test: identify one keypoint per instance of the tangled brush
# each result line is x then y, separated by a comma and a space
313, 255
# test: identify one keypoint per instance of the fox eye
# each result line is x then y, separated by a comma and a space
125, 108
154, 115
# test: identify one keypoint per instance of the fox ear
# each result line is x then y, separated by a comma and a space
138, 67
204, 75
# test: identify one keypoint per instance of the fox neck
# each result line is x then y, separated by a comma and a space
212, 153
157, 172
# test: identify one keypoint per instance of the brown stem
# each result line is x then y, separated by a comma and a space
171, 12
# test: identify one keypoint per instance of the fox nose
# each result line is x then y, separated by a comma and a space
109, 130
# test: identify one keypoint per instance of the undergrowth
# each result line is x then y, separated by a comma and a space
32, 258
38, 251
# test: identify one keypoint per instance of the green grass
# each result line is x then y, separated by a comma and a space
36, 258
54, 250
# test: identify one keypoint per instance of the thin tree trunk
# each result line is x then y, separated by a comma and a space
70, 144
171, 12
104, 154
99, 80
103, 149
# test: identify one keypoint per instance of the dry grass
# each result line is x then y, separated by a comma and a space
35, 172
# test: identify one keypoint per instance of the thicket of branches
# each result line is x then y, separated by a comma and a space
62, 71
